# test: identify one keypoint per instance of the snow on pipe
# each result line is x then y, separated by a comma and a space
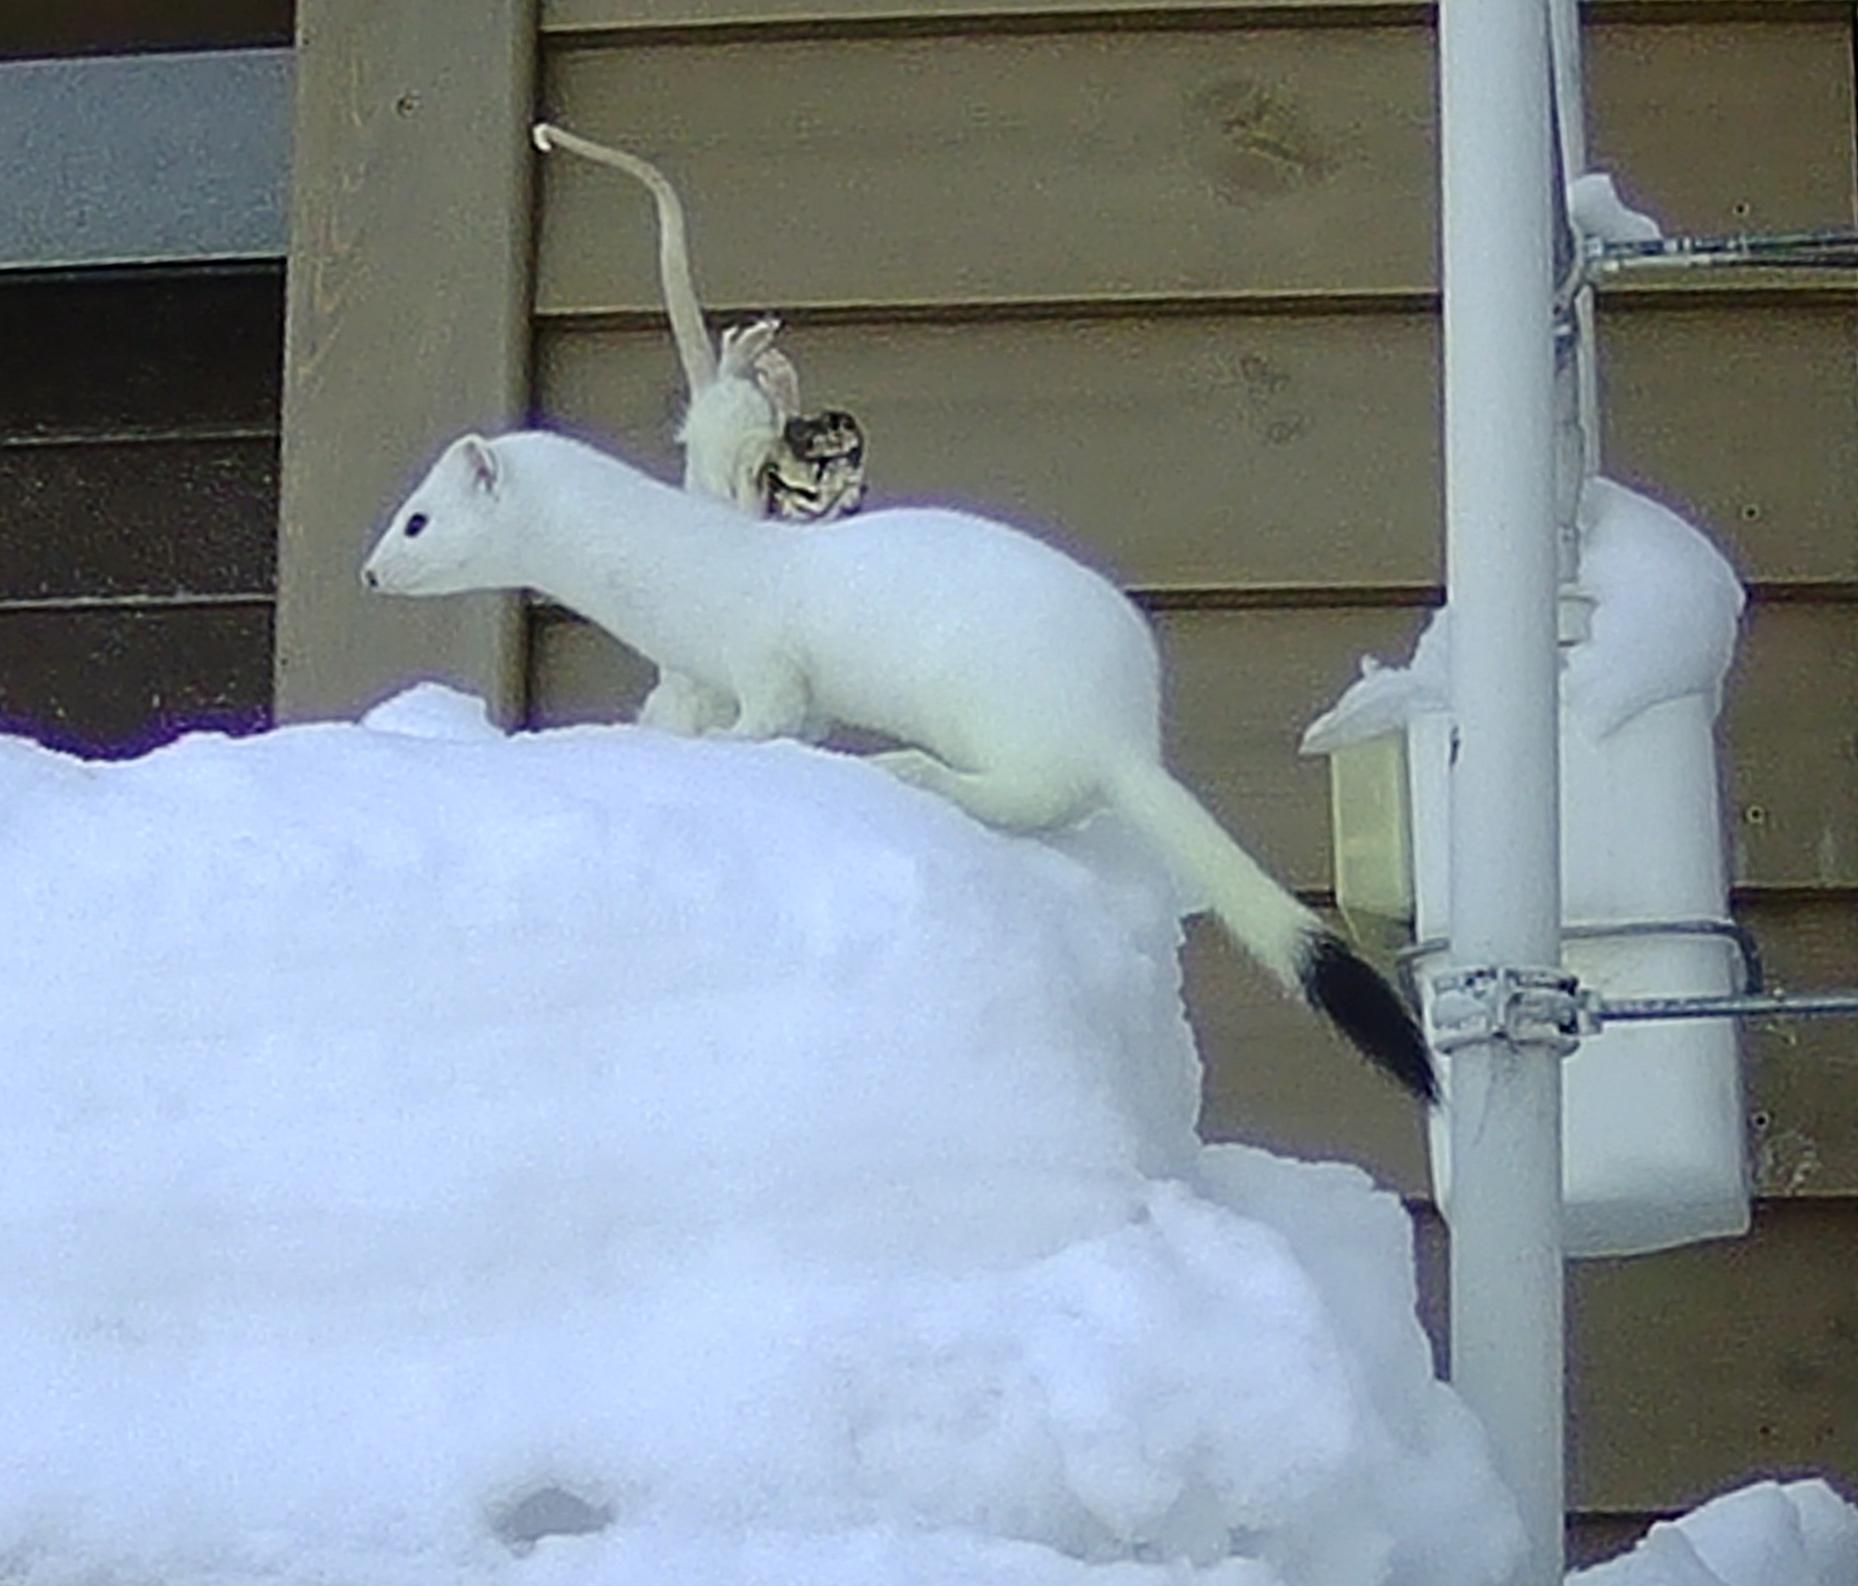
1501, 567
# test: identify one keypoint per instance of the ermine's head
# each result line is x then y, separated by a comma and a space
452, 534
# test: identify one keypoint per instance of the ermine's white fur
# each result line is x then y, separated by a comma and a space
1027, 686
739, 403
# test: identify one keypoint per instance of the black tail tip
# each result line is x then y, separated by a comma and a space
1340, 984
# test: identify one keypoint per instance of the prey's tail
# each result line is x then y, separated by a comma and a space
680, 290
1308, 958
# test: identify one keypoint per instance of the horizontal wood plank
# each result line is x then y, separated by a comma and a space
1150, 162
113, 683
175, 349
1196, 451
568, 20
1694, 1370
1243, 684
167, 518
84, 27
1697, 1370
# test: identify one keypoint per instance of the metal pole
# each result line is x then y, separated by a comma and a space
1571, 131
1505, 862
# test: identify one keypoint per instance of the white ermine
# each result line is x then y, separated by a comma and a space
744, 437
1028, 687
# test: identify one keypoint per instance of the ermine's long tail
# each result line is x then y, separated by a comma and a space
680, 290
1308, 958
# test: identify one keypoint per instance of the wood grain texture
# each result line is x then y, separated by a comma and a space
407, 324
82, 27
119, 682
168, 518
974, 168
1243, 685
1693, 1370
569, 20
170, 351
1204, 450
1697, 1370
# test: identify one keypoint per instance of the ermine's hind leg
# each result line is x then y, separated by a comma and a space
1010, 800
773, 705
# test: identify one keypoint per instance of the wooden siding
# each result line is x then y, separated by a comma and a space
616, 21
83, 27
1696, 1370
108, 683
138, 461
406, 324
1135, 164
1198, 450
1158, 280
1244, 683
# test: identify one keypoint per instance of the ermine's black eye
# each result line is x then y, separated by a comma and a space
415, 524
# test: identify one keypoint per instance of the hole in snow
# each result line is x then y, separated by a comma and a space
547, 1511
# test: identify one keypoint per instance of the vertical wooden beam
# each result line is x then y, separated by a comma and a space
407, 323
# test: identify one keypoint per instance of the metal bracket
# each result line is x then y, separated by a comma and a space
1543, 1008
1548, 1007
1748, 951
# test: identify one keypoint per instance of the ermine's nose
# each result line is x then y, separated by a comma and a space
370, 578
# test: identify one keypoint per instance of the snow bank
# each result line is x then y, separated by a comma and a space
1666, 604
589, 1156
1799, 1534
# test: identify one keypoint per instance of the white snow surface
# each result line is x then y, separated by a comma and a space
591, 1156
1597, 210
1800, 1533
1666, 605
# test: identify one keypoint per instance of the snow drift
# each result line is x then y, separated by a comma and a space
1666, 605
591, 1155
595, 1157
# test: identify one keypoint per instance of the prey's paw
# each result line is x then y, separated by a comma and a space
743, 344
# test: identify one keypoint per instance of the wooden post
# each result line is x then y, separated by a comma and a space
407, 323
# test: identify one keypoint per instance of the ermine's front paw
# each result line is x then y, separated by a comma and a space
683, 706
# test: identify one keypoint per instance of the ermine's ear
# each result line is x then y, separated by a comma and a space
481, 462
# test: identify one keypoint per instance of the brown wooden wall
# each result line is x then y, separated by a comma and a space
138, 452
138, 467
1160, 279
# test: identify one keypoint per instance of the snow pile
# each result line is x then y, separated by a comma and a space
1599, 213
1666, 604
589, 1156
1800, 1534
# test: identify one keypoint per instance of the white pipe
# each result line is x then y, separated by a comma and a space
1564, 20
1501, 582
1581, 401
1571, 128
